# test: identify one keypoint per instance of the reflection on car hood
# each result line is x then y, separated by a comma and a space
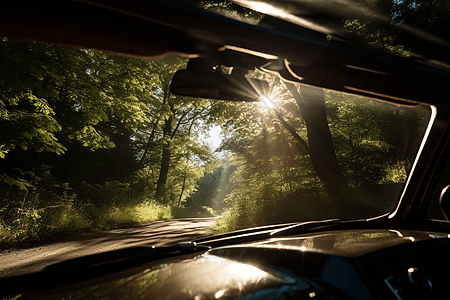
202, 277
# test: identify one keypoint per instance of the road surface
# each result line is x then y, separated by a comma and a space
158, 233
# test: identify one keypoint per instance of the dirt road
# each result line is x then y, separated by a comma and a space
159, 233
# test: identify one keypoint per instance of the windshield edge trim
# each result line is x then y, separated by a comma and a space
419, 153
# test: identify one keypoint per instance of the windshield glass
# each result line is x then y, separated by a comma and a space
93, 141
305, 153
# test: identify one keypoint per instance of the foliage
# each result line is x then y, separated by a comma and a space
37, 224
85, 137
229, 9
375, 36
198, 211
151, 211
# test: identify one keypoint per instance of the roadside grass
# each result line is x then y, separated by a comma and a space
227, 223
198, 211
38, 225
151, 211
222, 226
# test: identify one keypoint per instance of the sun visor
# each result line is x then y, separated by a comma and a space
79, 25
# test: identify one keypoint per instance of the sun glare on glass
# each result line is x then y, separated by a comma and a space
268, 102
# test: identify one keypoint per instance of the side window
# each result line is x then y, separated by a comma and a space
434, 211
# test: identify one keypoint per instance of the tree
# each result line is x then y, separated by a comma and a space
311, 107
72, 101
90, 130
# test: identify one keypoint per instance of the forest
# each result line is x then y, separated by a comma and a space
90, 140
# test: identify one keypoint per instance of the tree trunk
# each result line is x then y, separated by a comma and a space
168, 135
321, 150
165, 160
311, 103
182, 188
149, 143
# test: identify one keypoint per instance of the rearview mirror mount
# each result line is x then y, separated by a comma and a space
216, 85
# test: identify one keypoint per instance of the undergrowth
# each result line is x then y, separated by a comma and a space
227, 223
32, 224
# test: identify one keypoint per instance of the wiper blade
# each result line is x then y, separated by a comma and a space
136, 254
241, 237
302, 227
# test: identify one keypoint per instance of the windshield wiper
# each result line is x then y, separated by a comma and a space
135, 254
266, 233
302, 227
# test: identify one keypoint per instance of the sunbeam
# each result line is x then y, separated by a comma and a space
268, 102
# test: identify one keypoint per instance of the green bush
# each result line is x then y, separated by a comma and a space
194, 211
151, 211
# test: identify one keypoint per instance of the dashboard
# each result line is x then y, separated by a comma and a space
358, 264
417, 270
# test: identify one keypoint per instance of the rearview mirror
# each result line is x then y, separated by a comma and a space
216, 85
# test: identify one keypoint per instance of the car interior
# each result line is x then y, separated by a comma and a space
395, 251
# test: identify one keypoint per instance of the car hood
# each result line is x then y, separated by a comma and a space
204, 276
264, 270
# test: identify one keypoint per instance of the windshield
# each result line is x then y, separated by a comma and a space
93, 141
305, 153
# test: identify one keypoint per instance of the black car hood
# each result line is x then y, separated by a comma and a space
205, 276
268, 269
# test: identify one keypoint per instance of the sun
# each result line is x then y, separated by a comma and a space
268, 102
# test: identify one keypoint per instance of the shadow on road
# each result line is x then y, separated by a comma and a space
157, 233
